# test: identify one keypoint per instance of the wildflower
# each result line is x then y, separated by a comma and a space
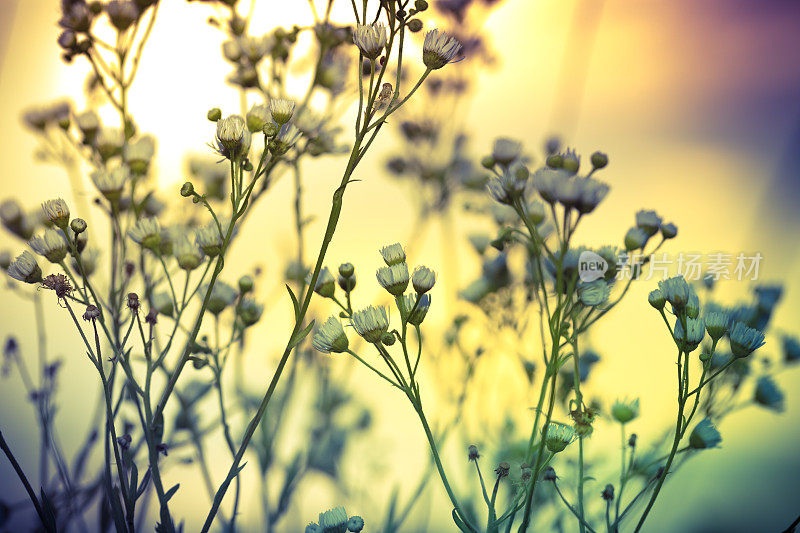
423, 279
122, 13
146, 233
635, 239
704, 435
393, 254
625, 411
669, 230
768, 296
549, 474
394, 278
51, 245
334, 520
162, 302
326, 284
282, 110
109, 142
657, 299
768, 394
506, 151
510, 185
592, 192
139, 153
15, 220
502, 470
330, 337
222, 295
258, 117
285, 139
371, 323
472, 453
250, 311
693, 305
89, 123
56, 212
745, 340
608, 493
791, 349
59, 283
717, 323
676, 291
133, 302
545, 180
110, 184
78, 225
558, 436
690, 339
439, 49
233, 137
570, 161
599, 160
25, 268
535, 212
370, 39
594, 293
209, 239
91, 313
649, 221
355, 524
188, 254
406, 304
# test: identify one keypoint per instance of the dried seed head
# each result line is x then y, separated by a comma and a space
133, 302
502, 469
472, 453
91, 313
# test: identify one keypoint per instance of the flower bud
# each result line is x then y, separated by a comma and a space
78, 225
214, 114
187, 189
599, 160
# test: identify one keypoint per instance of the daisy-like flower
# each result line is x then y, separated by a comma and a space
88, 122
109, 142
635, 239
326, 283
745, 340
439, 49
592, 193
768, 394
510, 185
394, 278
187, 253
393, 254
370, 323
625, 411
704, 435
669, 230
25, 268
122, 13
282, 110
139, 153
110, 184
147, 233
370, 39
594, 293
209, 239
657, 299
411, 314
649, 221
695, 331
250, 311
333, 521
506, 151
233, 137
545, 181
568, 192
791, 349
717, 323
676, 291
222, 295
330, 337
258, 117
423, 279
558, 436
285, 139
51, 245
56, 212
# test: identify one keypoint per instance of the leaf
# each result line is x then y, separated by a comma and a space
297, 339
132, 485
48, 511
171, 492
460, 523
143, 484
295, 303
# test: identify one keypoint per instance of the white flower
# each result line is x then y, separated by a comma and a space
371, 323
139, 153
25, 268
330, 337
594, 293
370, 39
439, 49
109, 142
282, 110
676, 291
506, 151
286, 138
423, 279
394, 278
393, 254
691, 338
110, 184
233, 137
56, 212
592, 193
209, 239
255, 48
222, 295
258, 117
88, 122
635, 239
744, 339
558, 436
409, 313
649, 221
250, 311
50, 244
188, 254
326, 283
146, 232
546, 179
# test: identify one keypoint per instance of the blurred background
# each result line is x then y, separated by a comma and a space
697, 105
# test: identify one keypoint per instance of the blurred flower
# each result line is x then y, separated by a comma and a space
209, 239
51, 244
704, 435
147, 233
649, 221
768, 394
25, 268
506, 151
188, 253
791, 349
594, 293
745, 340
250, 311
635, 239
222, 295
625, 411
110, 184
333, 521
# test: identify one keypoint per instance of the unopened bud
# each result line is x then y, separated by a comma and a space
187, 189
214, 114
78, 225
